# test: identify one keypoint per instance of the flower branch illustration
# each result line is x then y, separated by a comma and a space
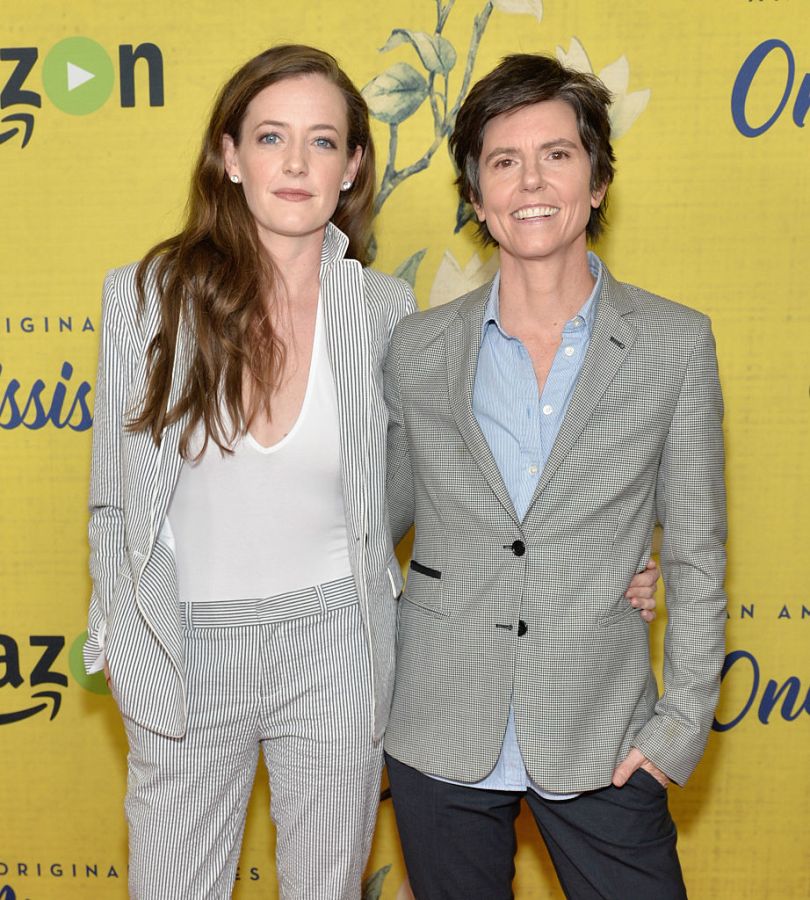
399, 91
396, 94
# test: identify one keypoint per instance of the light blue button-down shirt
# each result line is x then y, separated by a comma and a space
520, 426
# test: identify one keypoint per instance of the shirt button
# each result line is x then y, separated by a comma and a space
548, 409
578, 322
532, 470
569, 351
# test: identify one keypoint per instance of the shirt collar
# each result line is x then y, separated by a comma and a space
492, 311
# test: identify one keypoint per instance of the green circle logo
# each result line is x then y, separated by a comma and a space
78, 75
97, 683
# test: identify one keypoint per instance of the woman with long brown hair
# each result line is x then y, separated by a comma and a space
244, 580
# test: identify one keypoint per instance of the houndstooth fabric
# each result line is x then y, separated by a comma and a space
641, 442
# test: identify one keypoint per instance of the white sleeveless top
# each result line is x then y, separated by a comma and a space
266, 520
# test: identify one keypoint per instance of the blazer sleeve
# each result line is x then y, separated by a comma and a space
399, 474
691, 507
106, 528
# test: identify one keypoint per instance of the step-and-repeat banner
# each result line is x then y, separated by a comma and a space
102, 108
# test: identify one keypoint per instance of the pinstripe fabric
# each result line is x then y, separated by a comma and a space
301, 690
134, 616
641, 440
269, 610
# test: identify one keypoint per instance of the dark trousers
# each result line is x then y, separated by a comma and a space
611, 844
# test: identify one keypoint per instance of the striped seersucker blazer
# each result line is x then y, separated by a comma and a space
134, 614
499, 611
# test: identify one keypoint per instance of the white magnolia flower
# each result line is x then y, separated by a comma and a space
626, 108
532, 7
452, 281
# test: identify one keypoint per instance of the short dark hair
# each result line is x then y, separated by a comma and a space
523, 79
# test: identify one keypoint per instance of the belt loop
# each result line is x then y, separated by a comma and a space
321, 599
189, 617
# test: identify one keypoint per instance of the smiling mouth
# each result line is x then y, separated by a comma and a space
536, 212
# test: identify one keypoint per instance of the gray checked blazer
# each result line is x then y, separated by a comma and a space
134, 614
497, 610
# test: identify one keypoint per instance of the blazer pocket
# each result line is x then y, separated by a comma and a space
620, 615
424, 588
425, 570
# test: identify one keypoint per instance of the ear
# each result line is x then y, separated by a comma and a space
598, 196
353, 164
230, 155
479, 210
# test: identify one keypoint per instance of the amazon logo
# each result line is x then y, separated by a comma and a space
78, 77
30, 682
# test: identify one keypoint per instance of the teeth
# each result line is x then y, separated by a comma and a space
534, 212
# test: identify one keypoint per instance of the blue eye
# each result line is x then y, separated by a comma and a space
271, 138
328, 143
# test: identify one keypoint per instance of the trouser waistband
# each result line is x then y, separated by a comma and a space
310, 601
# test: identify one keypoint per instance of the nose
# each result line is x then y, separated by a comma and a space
295, 160
532, 176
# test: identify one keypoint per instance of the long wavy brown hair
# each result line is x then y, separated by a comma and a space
215, 275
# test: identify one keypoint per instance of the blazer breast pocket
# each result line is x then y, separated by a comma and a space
424, 587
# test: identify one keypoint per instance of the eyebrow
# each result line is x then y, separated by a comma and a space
323, 126
546, 145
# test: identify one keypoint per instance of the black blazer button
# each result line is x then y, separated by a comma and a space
518, 548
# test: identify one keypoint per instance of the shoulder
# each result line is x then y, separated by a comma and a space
389, 297
653, 314
386, 288
656, 308
121, 306
423, 327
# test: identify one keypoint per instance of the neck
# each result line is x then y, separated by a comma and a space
297, 260
548, 292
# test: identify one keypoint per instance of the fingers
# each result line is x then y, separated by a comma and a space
656, 773
627, 766
641, 602
641, 592
635, 759
647, 579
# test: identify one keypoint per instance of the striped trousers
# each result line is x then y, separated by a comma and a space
290, 676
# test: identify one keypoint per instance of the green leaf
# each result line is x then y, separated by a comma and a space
395, 94
372, 887
407, 269
464, 214
436, 53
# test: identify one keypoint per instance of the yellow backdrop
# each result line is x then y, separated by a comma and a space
101, 112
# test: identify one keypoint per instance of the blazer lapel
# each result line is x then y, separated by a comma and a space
463, 344
347, 340
159, 468
611, 340
169, 462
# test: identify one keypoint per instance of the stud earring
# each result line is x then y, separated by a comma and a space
235, 179
346, 185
